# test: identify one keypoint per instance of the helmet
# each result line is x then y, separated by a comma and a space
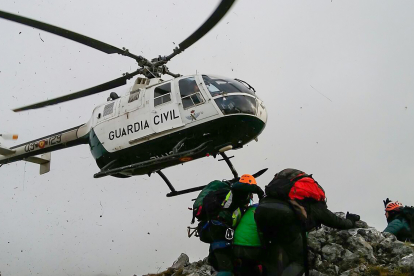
248, 179
393, 206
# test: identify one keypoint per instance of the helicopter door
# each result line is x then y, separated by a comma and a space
194, 100
165, 112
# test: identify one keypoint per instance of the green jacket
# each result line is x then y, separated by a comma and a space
246, 233
400, 228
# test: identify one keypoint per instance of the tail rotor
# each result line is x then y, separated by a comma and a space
9, 136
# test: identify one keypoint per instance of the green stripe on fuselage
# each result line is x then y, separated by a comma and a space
95, 145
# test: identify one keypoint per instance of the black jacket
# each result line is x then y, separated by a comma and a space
240, 195
318, 213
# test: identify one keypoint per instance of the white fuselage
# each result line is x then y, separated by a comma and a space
122, 123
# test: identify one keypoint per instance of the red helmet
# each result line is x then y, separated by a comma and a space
393, 206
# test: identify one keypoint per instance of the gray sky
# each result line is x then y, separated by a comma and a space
336, 77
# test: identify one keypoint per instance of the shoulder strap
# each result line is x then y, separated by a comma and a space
300, 176
302, 216
408, 214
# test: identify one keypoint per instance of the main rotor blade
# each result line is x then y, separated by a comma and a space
96, 44
259, 173
90, 91
212, 21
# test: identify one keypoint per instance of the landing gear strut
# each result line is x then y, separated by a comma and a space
175, 193
227, 159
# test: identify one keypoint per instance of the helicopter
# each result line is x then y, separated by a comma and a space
157, 123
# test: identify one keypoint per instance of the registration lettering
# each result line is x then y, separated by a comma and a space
49, 141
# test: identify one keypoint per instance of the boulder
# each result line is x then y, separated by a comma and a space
360, 251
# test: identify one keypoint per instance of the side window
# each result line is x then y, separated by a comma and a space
162, 94
190, 93
134, 96
109, 109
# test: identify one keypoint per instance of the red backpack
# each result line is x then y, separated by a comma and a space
294, 184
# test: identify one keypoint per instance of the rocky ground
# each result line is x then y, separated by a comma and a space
362, 251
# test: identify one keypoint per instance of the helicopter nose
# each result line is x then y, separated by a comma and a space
261, 111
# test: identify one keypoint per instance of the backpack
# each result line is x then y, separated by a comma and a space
294, 184
408, 213
208, 202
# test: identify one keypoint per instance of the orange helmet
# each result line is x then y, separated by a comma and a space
248, 179
393, 206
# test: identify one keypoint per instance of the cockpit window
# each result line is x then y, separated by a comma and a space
190, 92
162, 94
237, 104
218, 86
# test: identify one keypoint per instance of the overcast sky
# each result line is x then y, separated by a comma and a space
336, 77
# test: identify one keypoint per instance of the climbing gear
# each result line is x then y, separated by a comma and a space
213, 230
199, 211
192, 231
213, 203
294, 184
229, 234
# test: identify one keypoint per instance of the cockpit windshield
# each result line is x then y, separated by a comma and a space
237, 104
218, 86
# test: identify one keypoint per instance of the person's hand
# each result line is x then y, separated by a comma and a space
386, 202
260, 193
352, 217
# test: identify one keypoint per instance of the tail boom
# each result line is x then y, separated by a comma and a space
63, 139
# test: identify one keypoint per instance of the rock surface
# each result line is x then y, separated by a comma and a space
360, 251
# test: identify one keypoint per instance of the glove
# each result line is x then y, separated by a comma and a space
352, 217
386, 202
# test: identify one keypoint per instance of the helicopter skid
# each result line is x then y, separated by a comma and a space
158, 161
